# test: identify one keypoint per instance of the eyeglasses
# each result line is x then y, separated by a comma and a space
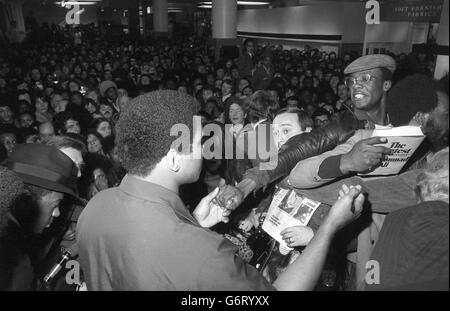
362, 79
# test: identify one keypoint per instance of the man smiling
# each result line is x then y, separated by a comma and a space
369, 80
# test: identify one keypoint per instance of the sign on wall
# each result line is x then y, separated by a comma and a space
411, 11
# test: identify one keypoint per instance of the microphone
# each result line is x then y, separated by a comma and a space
70, 252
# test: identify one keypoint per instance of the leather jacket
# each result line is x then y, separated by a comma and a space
301, 147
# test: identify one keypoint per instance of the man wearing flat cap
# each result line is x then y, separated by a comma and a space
369, 80
48, 174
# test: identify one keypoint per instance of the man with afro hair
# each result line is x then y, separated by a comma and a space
140, 236
11, 188
11, 191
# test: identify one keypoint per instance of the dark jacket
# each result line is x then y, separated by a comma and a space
17, 272
301, 147
412, 250
245, 65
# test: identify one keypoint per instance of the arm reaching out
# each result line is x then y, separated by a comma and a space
303, 273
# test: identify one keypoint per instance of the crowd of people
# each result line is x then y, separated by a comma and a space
85, 128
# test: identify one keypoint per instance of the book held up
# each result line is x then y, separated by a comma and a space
403, 142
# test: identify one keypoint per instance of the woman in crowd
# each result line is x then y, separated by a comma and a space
235, 115
42, 114
102, 126
94, 143
95, 175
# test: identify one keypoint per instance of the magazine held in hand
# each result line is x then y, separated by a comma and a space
403, 142
288, 209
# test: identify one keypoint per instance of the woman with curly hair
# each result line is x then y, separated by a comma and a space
94, 178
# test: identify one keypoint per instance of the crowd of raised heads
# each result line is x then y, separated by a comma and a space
72, 92
77, 89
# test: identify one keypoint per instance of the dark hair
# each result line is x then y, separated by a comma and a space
93, 126
246, 41
60, 119
321, 112
412, 94
304, 119
291, 88
11, 188
295, 98
386, 74
29, 107
87, 101
26, 133
36, 95
212, 100
203, 113
260, 106
143, 129
76, 93
242, 102
93, 162
96, 134
5, 104
26, 210
3, 152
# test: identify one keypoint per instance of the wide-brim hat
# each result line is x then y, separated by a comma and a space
44, 166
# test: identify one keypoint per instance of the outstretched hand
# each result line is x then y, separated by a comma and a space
208, 214
229, 197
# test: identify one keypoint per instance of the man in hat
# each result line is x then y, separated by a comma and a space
369, 80
48, 175
416, 100
108, 91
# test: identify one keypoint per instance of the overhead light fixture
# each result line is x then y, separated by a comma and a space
239, 3
64, 3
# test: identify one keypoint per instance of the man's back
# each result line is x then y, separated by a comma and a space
140, 236
413, 248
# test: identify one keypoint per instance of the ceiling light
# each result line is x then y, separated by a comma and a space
240, 3
64, 3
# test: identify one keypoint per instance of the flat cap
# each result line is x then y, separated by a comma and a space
368, 62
